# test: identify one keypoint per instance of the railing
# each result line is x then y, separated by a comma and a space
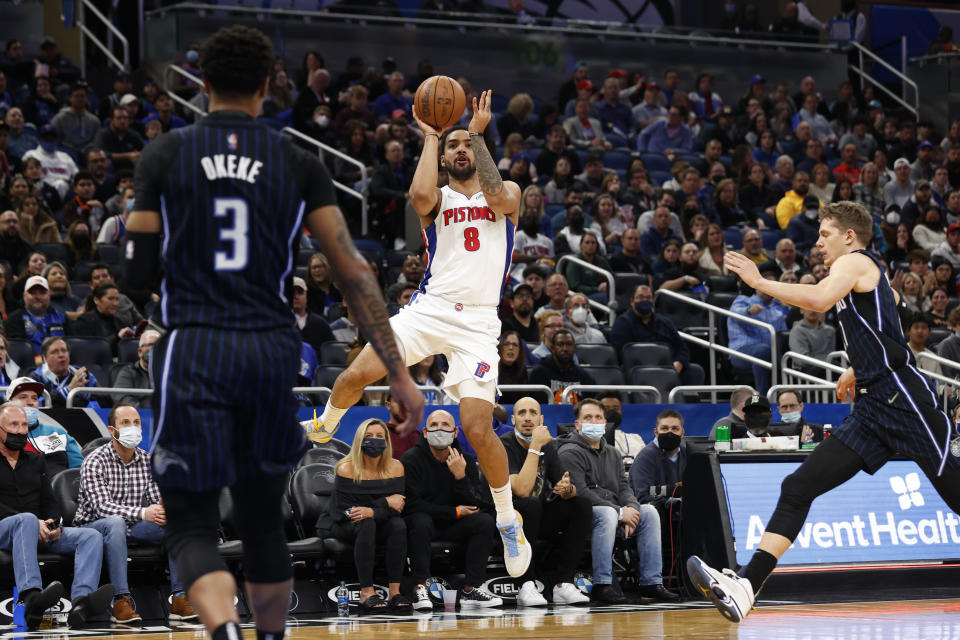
777, 388
321, 147
904, 79
536, 388
788, 372
124, 391
637, 388
934, 58
611, 283
711, 344
125, 64
712, 389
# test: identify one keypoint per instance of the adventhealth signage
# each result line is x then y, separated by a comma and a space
894, 515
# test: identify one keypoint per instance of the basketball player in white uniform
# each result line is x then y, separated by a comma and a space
468, 229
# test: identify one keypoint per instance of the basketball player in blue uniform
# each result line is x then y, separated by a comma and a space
895, 409
230, 196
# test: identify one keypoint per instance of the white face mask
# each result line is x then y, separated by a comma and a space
322, 120
130, 436
578, 315
893, 218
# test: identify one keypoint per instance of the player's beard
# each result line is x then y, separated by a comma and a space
462, 173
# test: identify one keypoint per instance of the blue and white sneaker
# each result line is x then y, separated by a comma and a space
317, 431
517, 551
732, 595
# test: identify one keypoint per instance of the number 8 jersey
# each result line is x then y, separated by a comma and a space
468, 250
232, 194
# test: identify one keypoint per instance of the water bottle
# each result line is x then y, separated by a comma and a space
343, 600
827, 429
722, 442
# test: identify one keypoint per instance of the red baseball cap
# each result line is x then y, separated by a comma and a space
618, 73
585, 84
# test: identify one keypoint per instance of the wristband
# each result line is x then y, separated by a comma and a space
474, 134
535, 451
431, 133
458, 512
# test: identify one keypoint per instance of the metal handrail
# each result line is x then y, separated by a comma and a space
125, 65
176, 98
793, 355
935, 56
611, 313
775, 389
528, 387
106, 51
106, 391
700, 388
889, 67
642, 388
608, 276
876, 83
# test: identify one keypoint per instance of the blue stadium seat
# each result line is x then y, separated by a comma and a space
617, 160
534, 154
733, 237
582, 154
334, 353
371, 245
655, 162
55, 251
770, 238
21, 352
660, 177
617, 140
89, 351
127, 350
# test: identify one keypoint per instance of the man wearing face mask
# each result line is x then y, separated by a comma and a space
115, 481
734, 420
756, 417
548, 503
578, 315
444, 502
58, 447
656, 474
136, 375
790, 407
628, 444
596, 471
804, 229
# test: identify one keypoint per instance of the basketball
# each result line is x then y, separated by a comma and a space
440, 101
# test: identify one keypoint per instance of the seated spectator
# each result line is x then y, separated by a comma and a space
561, 182
530, 246
399, 443
783, 176
627, 443
756, 196
949, 249
321, 290
115, 201
61, 295
513, 365
536, 277
710, 261
929, 233
31, 523
640, 194
670, 134
367, 511
122, 144
784, 259
596, 472
751, 339
59, 449
685, 274
165, 115
923, 167
521, 320
859, 135
725, 205
656, 475
126, 310
792, 202
918, 332
388, 189
615, 115
812, 337
912, 212
102, 321
753, 246
519, 170
790, 407
114, 228
950, 347
22, 138
548, 503
37, 320
355, 109
136, 375
79, 243
41, 105
821, 185
804, 230
653, 241
668, 259
557, 291
584, 131
734, 419
58, 168
629, 259
74, 124
59, 376
9, 369
83, 206
514, 120
899, 190
549, 322
584, 280
869, 191
590, 182
649, 110
559, 371
818, 123
669, 200
756, 416
911, 292
115, 484
313, 327
849, 167
387, 103
446, 502
556, 148
608, 220
578, 316
766, 151
568, 239
36, 224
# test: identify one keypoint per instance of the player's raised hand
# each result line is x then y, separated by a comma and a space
481, 112
423, 125
743, 267
846, 384
409, 400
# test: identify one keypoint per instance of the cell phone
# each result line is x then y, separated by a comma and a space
57, 525
140, 328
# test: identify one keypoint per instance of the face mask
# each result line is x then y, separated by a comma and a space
48, 147
576, 221
790, 416
578, 315
373, 447
613, 417
893, 218
668, 441
130, 202
691, 211
527, 439
439, 439
81, 240
33, 416
15, 441
756, 420
322, 121
811, 214
593, 432
130, 437
531, 227
643, 307
933, 226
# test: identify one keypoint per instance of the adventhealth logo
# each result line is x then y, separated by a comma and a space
908, 490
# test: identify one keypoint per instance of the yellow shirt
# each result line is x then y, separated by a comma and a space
790, 205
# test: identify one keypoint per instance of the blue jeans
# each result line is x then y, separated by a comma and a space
20, 535
115, 534
761, 375
649, 560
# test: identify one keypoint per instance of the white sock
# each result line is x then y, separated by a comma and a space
331, 416
503, 501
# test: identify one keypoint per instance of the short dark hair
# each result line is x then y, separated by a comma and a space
236, 60
487, 138
102, 289
48, 342
562, 331
793, 391
918, 318
577, 408
83, 174
100, 265
112, 416
669, 413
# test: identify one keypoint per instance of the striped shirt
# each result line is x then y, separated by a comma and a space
110, 487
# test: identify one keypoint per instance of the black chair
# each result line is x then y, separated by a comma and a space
21, 352
80, 289
96, 443
80, 273
682, 315
937, 336
722, 284
302, 546
303, 257
722, 299
321, 455
311, 489
109, 253
334, 353
645, 354
326, 375
597, 354
66, 491
339, 446
626, 282
127, 350
55, 251
605, 375
89, 351
663, 378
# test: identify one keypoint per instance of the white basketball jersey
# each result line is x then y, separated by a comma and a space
468, 250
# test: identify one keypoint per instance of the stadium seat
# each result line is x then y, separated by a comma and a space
663, 378
66, 489
311, 489
334, 353
722, 299
936, 337
81, 289
733, 238
303, 257
655, 162
722, 283
660, 177
127, 350
770, 238
605, 375
321, 455
96, 443
88, 351
597, 354
681, 314
617, 141
339, 446
326, 375
109, 253
55, 251
617, 160
396, 258
21, 352
625, 283
645, 354
368, 245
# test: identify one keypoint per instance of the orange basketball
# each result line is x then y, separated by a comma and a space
440, 101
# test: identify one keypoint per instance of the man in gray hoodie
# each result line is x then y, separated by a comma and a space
596, 470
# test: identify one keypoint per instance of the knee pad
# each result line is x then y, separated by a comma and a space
795, 490
259, 523
191, 533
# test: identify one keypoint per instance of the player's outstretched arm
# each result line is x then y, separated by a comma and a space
424, 192
502, 196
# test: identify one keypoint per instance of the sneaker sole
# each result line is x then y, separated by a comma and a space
179, 618
472, 604
424, 606
711, 590
130, 621
524, 550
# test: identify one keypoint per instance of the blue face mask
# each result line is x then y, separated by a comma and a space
33, 416
790, 416
49, 147
130, 202
527, 439
593, 432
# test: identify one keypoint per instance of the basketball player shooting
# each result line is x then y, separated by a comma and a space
468, 228
895, 409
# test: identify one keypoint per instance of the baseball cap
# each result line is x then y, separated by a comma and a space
122, 75
758, 402
811, 202
24, 384
757, 79
926, 144
874, 104
901, 162
651, 86
954, 227
725, 111
585, 84
618, 73
299, 283
47, 42
36, 281
523, 286
922, 183
48, 130
127, 99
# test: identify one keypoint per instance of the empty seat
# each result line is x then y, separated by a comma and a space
936, 337
311, 488
320, 455
663, 378
597, 354
109, 253
645, 354
617, 160
55, 251
604, 374
722, 283
722, 299
655, 162
96, 443
334, 353
21, 352
770, 238
326, 375
127, 350
88, 351
682, 314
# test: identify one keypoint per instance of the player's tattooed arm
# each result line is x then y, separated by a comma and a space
491, 183
503, 197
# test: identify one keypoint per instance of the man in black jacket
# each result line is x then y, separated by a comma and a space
314, 330
559, 371
657, 472
389, 190
444, 503
792, 423
30, 518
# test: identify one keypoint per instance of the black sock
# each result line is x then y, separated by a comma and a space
228, 631
270, 635
758, 569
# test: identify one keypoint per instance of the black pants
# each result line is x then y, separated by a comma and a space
478, 530
365, 536
831, 464
568, 523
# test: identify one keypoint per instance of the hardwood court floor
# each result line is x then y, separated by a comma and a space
903, 619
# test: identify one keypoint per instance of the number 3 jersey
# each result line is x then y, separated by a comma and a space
468, 250
232, 194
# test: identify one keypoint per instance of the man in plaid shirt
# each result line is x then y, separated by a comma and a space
115, 483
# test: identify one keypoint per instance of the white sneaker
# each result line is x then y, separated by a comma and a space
732, 595
529, 596
517, 551
421, 601
317, 431
567, 593
478, 598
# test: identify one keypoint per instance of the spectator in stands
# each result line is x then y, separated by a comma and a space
121, 144
521, 320
59, 376
849, 168
136, 375
929, 233
711, 256
939, 299
629, 259
18, 68
557, 291
784, 174
804, 230
568, 90
790, 407
548, 503
627, 443
443, 487
577, 314
74, 124
315, 93
918, 332
812, 337
753, 340
952, 164
30, 523
115, 483
57, 166
940, 185
814, 155
596, 471
641, 324
725, 204
59, 449
669, 258
869, 191
949, 249
950, 347
21, 138
899, 190
558, 371
861, 138
590, 182
102, 321
514, 120
412, 269
127, 311
61, 295
784, 258
41, 105
513, 366
561, 182
656, 475
321, 291
649, 110
168, 119
83, 206
753, 246
913, 210
734, 420
549, 322
792, 202
585, 131
584, 280
556, 148
36, 225
667, 135
8, 367
366, 509
388, 188
756, 196
653, 241
706, 104
387, 103
356, 109
313, 327
113, 229
685, 274
819, 125
615, 115
36, 321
